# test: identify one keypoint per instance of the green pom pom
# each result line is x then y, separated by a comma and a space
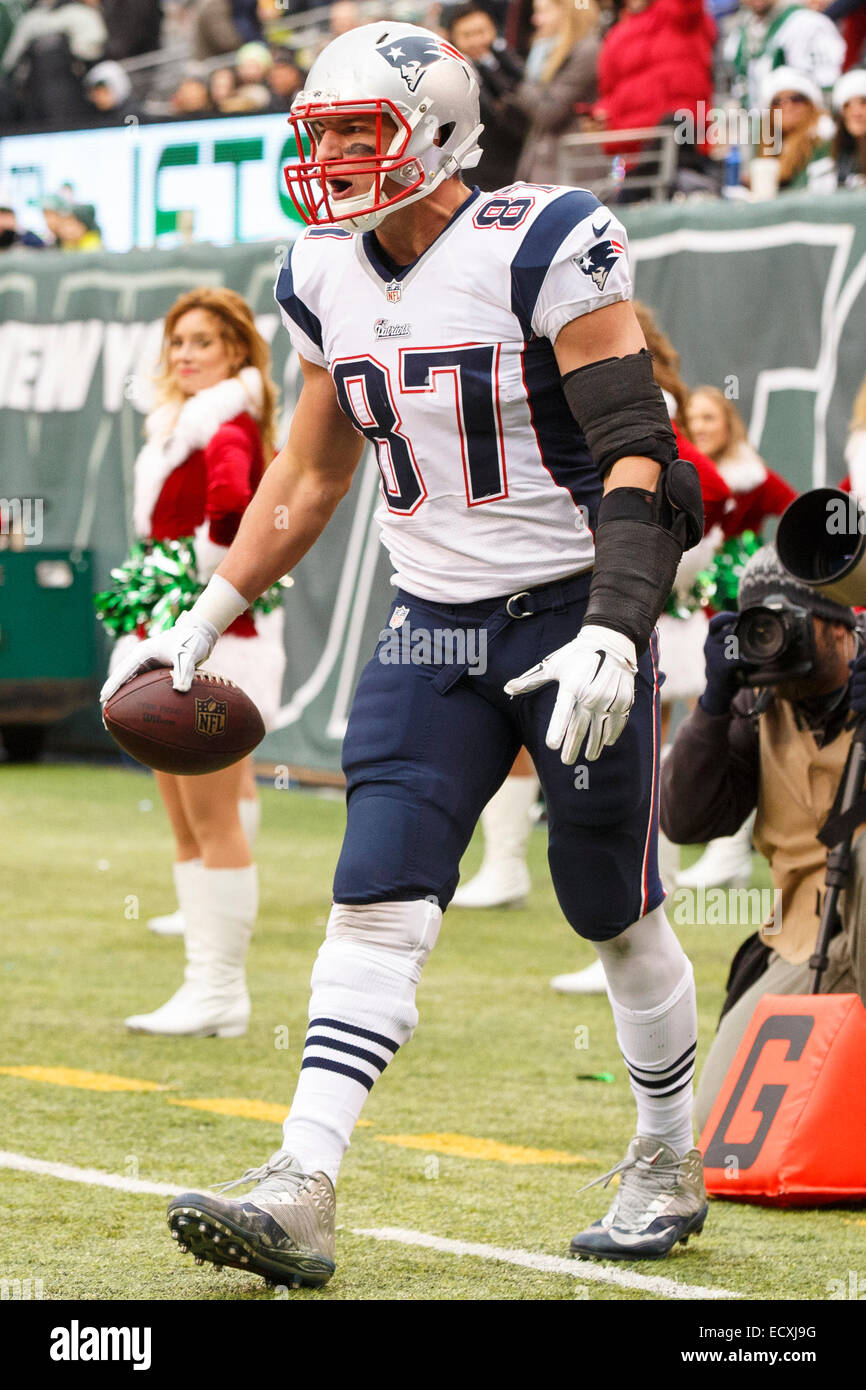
156, 583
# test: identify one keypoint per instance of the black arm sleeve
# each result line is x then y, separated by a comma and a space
621, 410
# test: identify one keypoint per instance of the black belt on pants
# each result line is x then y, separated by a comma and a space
555, 596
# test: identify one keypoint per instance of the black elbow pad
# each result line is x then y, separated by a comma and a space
621, 410
639, 541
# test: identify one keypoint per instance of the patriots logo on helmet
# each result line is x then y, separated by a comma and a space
599, 261
411, 56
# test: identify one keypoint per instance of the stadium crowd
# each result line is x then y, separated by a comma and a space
765, 93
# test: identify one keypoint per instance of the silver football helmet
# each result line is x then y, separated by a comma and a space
386, 74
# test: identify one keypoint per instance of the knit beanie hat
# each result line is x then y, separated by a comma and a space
764, 575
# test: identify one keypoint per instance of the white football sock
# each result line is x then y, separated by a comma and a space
250, 812
362, 1009
651, 988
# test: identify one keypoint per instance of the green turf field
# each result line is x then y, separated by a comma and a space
494, 1059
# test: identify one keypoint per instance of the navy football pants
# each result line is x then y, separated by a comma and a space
421, 766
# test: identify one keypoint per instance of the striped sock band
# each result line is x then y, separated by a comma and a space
343, 1048
659, 1046
663, 1080
362, 1010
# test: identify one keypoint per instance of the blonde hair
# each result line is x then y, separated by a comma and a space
858, 418
734, 426
798, 145
237, 328
666, 363
579, 20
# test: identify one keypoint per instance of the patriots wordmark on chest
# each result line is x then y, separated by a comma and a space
393, 291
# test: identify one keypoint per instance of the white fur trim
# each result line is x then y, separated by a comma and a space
742, 469
787, 79
850, 84
171, 439
855, 457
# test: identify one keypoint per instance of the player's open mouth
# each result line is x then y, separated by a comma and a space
338, 188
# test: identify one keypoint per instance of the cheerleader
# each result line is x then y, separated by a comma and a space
717, 430
208, 441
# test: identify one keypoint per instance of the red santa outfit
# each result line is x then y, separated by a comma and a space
195, 476
758, 492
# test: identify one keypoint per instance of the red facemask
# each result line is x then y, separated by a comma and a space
307, 180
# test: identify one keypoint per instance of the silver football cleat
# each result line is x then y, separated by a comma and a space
661, 1200
282, 1230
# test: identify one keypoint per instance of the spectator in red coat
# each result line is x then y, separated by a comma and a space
656, 60
718, 430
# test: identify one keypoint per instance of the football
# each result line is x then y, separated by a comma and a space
205, 729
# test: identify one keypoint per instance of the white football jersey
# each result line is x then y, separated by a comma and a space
447, 367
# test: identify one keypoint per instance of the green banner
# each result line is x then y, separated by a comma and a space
765, 301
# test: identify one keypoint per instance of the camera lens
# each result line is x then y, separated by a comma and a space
762, 637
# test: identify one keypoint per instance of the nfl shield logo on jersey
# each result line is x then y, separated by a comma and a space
399, 616
394, 291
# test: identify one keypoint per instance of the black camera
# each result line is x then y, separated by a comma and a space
775, 642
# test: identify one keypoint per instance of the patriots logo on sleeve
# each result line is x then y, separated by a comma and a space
412, 56
599, 261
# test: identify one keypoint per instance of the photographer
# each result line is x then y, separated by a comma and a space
772, 731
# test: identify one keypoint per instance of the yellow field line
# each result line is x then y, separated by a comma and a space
239, 1106
82, 1080
244, 1109
466, 1146
453, 1145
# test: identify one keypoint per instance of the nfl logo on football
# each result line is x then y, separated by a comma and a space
210, 717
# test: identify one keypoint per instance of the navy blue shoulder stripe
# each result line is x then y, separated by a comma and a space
296, 309
539, 247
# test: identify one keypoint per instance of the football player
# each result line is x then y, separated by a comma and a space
532, 501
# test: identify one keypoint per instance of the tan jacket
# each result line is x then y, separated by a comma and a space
797, 787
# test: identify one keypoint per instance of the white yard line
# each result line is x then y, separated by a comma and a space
584, 1271
92, 1177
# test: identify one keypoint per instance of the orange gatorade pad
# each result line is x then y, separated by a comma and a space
789, 1124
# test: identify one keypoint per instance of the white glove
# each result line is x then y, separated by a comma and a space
181, 647
596, 690
188, 643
